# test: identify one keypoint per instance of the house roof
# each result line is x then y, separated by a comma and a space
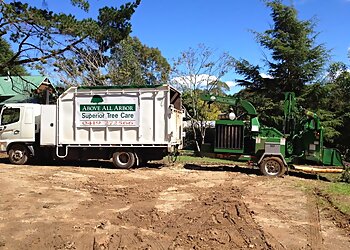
20, 85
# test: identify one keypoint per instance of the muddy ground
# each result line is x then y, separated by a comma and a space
163, 207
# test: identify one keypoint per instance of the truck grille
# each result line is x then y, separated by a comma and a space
229, 136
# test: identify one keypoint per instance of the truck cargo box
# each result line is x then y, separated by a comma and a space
120, 116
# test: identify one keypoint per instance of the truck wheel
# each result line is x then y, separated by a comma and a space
272, 166
123, 160
18, 154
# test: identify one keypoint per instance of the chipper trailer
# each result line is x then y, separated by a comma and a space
131, 125
242, 138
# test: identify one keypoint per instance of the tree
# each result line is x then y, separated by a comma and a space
197, 70
336, 102
41, 35
295, 60
5, 54
130, 63
133, 63
82, 65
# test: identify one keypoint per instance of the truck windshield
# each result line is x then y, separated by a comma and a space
10, 115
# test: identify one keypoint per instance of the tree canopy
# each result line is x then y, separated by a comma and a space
6, 53
295, 60
41, 35
134, 63
129, 63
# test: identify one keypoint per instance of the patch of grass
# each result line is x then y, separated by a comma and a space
339, 188
203, 160
304, 186
343, 207
333, 177
339, 193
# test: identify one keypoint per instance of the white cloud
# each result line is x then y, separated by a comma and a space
231, 83
200, 81
263, 75
197, 81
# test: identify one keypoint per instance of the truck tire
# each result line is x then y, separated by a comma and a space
124, 160
272, 166
18, 154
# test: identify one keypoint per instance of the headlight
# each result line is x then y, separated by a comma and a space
232, 116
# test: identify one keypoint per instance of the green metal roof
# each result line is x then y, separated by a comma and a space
19, 85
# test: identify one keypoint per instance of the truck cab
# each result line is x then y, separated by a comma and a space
19, 124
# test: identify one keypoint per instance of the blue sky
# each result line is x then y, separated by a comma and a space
175, 25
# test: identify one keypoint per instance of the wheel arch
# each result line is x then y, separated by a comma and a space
279, 155
28, 146
268, 167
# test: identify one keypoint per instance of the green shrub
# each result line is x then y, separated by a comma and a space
345, 176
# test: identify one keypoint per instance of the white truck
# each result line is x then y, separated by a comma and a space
128, 125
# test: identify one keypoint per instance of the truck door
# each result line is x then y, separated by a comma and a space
10, 127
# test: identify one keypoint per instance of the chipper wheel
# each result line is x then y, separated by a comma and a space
124, 159
18, 154
272, 166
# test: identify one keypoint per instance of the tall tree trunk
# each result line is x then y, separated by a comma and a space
195, 137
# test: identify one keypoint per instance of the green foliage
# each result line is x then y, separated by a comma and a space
330, 100
135, 63
294, 62
345, 177
339, 188
114, 25
5, 54
199, 108
269, 109
83, 4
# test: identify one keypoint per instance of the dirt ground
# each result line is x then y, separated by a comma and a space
94, 206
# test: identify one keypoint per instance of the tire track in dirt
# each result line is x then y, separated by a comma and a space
314, 236
279, 209
245, 184
335, 225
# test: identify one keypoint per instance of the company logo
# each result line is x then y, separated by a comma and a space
97, 99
